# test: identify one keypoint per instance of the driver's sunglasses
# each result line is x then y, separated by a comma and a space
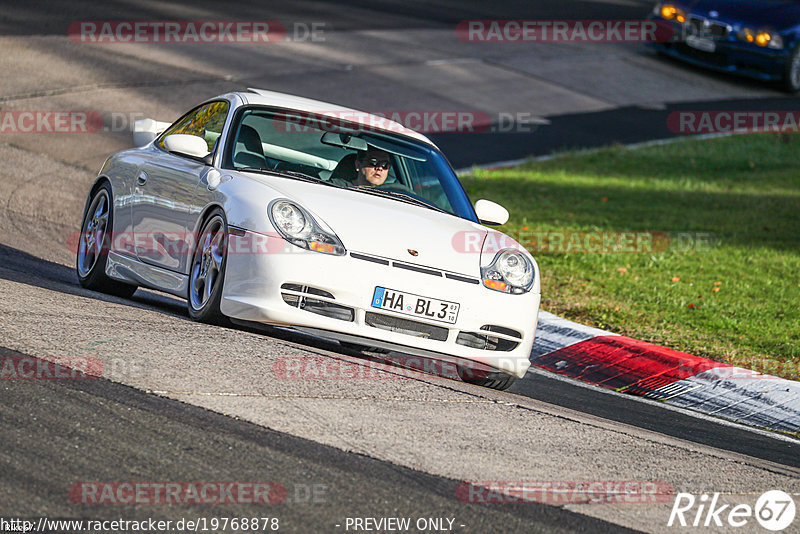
383, 164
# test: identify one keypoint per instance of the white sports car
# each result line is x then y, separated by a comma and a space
261, 207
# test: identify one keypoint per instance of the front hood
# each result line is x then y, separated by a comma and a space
776, 14
389, 228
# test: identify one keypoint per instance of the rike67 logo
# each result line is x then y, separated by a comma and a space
774, 510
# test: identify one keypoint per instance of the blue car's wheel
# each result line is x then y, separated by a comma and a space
791, 75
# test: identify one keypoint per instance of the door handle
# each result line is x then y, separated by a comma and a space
142, 178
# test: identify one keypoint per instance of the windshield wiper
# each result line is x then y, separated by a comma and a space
262, 170
289, 174
299, 175
403, 197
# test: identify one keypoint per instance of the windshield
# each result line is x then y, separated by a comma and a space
345, 155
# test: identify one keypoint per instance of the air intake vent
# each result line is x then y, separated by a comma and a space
406, 326
308, 290
502, 330
703, 27
295, 296
505, 339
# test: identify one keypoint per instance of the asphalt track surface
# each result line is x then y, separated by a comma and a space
625, 125
49, 423
654, 416
57, 432
572, 121
538, 385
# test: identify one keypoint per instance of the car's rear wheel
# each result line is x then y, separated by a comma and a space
94, 244
208, 270
791, 75
489, 379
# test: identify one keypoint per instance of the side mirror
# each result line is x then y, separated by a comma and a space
187, 145
145, 130
491, 213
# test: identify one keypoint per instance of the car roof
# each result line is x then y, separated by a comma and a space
265, 97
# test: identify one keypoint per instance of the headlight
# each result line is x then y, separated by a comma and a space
510, 272
298, 227
764, 38
747, 35
670, 12
290, 220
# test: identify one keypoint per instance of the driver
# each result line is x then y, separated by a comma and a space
372, 167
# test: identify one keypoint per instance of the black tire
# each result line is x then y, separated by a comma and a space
791, 72
207, 270
97, 227
489, 379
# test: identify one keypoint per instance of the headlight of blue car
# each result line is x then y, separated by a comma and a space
670, 12
762, 37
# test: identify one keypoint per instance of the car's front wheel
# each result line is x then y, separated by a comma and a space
489, 379
791, 75
208, 270
94, 244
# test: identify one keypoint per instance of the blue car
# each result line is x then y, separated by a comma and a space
754, 38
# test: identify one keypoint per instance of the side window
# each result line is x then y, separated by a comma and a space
205, 121
426, 184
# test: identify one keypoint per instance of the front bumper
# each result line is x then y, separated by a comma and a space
731, 55
291, 286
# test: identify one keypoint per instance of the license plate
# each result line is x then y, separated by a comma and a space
416, 305
701, 43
